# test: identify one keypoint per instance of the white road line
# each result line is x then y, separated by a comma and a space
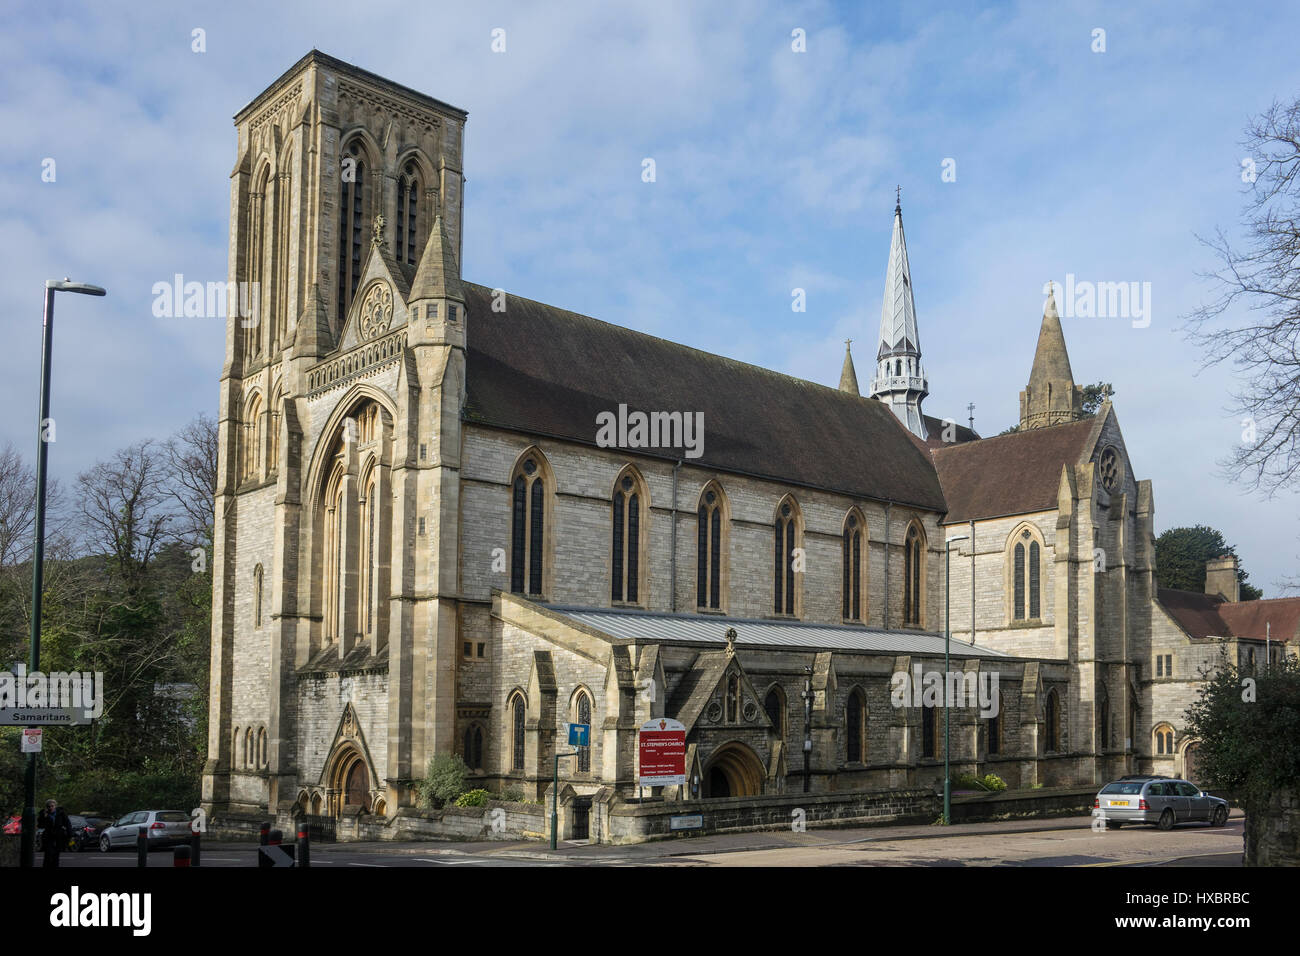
376, 865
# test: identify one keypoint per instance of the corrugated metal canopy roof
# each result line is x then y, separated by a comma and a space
651, 627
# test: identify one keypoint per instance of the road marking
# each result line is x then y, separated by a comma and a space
379, 866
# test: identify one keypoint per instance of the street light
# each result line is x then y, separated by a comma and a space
28, 847
947, 639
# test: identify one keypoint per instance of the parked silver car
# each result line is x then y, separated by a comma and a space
1164, 801
164, 827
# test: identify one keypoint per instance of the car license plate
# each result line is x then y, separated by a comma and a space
1119, 803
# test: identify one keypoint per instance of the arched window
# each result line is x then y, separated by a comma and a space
236, 738
854, 565
930, 732
251, 302
528, 525
408, 201
995, 724
1164, 742
277, 329
262, 755
710, 551
517, 732
582, 715
733, 698
914, 576
855, 727
335, 515
628, 511
1103, 718
473, 747
252, 444
786, 540
369, 504
1026, 575
354, 523
774, 705
273, 432
249, 743
257, 596
1052, 720
354, 207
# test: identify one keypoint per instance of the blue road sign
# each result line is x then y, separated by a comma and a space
579, 735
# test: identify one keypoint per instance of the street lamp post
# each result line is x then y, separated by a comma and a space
947, 639
28, 846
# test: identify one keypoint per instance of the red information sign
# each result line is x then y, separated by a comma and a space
661, 753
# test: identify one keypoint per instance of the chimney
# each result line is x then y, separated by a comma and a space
1221, 578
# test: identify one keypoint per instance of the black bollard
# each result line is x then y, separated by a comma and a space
181, 856
274, 838
196, 847
266, 830
142, 847
304, 844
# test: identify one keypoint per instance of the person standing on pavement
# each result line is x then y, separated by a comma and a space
55, 829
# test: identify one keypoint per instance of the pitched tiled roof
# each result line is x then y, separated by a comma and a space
1196, 613
935, 428
1252, 618
1205, 615
1010, 474
545, 371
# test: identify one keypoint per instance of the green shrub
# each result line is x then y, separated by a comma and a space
444, 782
473, 798
969, 781
993, 782
512, 794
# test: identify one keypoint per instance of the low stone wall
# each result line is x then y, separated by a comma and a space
1015, 804
623, 822
497, 820
1272, 833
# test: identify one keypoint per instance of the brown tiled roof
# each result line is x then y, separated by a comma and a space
548, 372
934, 427
1252, 618
1009, 474
1196, 613
1205, 615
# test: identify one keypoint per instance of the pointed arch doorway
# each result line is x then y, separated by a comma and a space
733, 770
349, 781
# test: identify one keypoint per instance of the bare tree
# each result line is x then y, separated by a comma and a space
192, 469
125, 506
1263, 275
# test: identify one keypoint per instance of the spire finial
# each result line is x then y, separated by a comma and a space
847, 343
898, 199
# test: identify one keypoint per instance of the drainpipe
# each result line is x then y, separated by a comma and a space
972, 581
888, 504
673, 560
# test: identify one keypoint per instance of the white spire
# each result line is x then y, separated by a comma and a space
900, 380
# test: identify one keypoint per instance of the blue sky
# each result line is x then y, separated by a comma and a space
775, 170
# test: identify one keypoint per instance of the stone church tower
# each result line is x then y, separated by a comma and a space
1051, 397
900, 380
346, 210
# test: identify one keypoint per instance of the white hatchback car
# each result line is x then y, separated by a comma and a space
164, 827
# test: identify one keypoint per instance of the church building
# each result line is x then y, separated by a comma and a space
424, 545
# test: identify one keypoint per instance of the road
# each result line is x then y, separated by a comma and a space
1058, 842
